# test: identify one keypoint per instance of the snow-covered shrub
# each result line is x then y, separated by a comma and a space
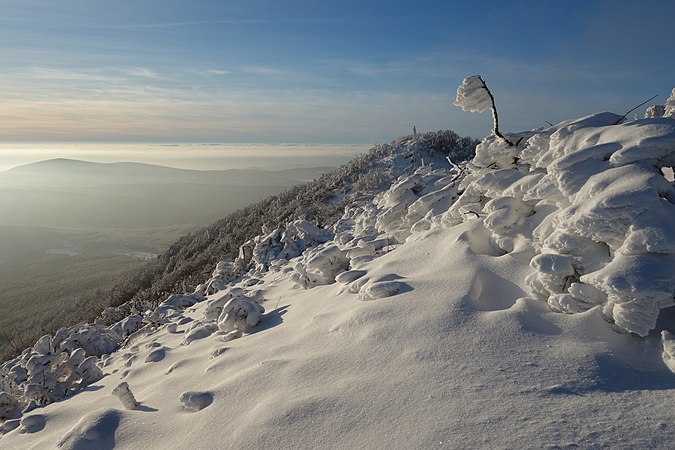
9, 406
182, 301
94, 339
199, 330
225, 273
320, 267
655, 111
670, 106
287, 242
215, 306
127, 326
380, 289
240, 315
668, 340
115, 314
397, 214
606, 215
40, 375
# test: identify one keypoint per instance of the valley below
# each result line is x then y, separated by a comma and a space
70, 230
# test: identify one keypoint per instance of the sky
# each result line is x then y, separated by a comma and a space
317, 71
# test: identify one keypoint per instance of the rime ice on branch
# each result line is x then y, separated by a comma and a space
473, 95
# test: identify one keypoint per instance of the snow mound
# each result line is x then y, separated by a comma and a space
96, 430
196, 401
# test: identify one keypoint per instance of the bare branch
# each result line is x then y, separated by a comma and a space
631, 110
495, 116
459, 170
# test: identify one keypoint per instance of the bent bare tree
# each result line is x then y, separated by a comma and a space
473, 95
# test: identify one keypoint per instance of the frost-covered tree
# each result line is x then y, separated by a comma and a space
473, 95
670, 106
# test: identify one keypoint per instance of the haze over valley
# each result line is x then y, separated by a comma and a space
71, 228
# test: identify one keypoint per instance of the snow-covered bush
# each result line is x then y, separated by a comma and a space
127, 326
94, 339
320, 266
605, 213
473, 95
42, 375
655, 111
240, 314
224, 273
196, 401
9, 406
287, 242
412, 203
670, 106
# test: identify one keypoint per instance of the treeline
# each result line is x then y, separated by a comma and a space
191, 259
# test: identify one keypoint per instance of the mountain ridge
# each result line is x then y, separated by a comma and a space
66, 171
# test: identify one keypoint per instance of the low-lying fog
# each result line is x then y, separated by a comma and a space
201, 156
69, 227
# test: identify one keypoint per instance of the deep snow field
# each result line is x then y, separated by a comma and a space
523, 300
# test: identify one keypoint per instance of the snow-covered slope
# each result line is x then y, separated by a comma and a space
427, 318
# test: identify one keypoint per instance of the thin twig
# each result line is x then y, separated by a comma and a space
631, 110
459, 170
495, 116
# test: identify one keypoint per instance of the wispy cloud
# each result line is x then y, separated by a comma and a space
210, 73
261, 70
239, 21
62, 74
141, 72
191, 23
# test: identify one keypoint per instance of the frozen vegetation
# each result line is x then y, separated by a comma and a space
520, 299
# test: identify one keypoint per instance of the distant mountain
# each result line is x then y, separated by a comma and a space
62, 172
79, 194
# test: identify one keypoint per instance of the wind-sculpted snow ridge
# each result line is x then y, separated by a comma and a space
604, 214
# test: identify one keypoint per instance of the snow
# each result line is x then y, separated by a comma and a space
125, 395
472, 95
523, 300
670, 105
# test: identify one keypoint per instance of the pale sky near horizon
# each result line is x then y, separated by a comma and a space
312, 71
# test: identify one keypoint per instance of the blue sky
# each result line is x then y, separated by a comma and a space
317, 71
